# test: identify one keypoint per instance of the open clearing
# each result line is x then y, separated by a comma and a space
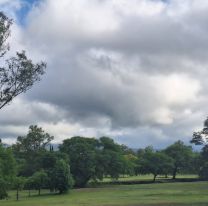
192, 194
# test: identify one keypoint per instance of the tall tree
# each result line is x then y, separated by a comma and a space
7, 170
36, 140
62, 177
39, 180
30, 148
201, 138
82, 155
17, 74
154, 162
181, 155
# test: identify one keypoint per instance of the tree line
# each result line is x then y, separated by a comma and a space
32, 162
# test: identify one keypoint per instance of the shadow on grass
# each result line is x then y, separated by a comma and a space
134, 182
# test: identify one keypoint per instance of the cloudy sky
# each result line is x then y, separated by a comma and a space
133, 70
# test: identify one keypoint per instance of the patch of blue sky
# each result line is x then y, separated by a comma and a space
24, 10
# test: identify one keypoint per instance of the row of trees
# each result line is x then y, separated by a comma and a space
33, 163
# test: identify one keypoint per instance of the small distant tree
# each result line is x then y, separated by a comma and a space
156, 163
29, 185
39, 180
181, 155
18, 184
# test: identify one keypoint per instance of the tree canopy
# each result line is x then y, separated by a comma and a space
18, 73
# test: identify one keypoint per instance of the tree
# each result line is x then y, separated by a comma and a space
201, 137
112, 160
130, 164
3, 188
62, 177
18, 183
30, 149
36, 140
154, 162
7, 170
181, 155
113, 163
19, 73
39, 180
56, 165
82, 155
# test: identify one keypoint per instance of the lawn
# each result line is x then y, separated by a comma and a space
148, 178
176, 194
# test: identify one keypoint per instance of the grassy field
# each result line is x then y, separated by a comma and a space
175, 194
148, 177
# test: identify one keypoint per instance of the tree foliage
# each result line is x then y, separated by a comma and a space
39, 179
5, 24
154, 162
17, 74
62, 177
82, 155
201, 137
7, 170
181, 155
28, 149
36, 140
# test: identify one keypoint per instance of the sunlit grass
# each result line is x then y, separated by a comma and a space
194, 193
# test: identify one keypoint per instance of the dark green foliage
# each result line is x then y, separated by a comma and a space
113, 158
7, 163
36, 140
3, 188
82, 155
62, 177
92, 159
28, 149
56, 165
154, 162
113, 163
7, 170
203, 163
18, 184
39, 180
181, 155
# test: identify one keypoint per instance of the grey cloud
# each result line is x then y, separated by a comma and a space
128, 69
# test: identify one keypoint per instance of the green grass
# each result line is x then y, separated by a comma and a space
170, 194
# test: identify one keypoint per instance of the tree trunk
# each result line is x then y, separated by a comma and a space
174, 173
29, 192
39, 191
154, 178
17, 195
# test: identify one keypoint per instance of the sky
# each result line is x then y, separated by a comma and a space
132, 70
